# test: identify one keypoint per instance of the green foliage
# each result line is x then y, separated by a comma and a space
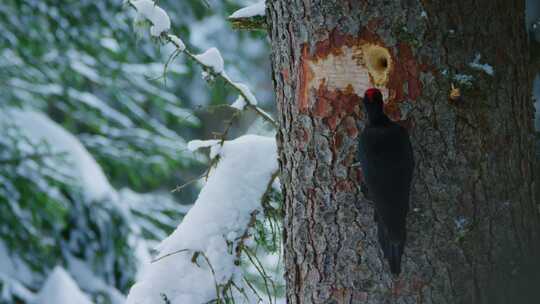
267, 235
22, 186
255, 23
45, 218
75, 62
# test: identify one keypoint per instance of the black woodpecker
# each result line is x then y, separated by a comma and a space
387, 162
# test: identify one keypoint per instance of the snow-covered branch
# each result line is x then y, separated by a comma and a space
251, 17
203, 249
208, 246
210, 60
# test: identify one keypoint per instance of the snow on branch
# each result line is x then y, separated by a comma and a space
180, 46
250, 17
213, 144
257, 9
198, 144
156, 15
239, 103
211, 60
199, 262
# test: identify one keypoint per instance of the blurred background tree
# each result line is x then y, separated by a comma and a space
93, 136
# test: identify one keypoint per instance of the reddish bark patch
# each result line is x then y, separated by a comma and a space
337, 141
417, 285
339, 294
349, 158
392, 110
350, 126
399, 287
344, 186
305, 135
406, 70
303, 138
323, 105
360, 297
336, 41
334, 105
359, 174
305, 76
285, 75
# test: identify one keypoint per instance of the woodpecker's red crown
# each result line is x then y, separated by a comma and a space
371, 93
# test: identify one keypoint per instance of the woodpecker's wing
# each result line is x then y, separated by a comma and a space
387, 163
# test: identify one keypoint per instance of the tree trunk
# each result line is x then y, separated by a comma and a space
474, 222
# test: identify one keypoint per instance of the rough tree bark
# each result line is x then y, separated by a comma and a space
474, 222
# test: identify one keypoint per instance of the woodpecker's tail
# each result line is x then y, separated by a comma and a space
394, 257
392, 249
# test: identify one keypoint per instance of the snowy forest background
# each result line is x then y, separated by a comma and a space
95, 121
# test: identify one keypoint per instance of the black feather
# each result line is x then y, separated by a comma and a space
387, 162
394, 257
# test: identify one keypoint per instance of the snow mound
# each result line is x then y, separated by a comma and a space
61, 289
212, 227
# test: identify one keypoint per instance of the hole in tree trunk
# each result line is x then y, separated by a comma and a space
379, 63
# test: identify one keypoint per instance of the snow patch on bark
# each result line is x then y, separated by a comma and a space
488, 69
